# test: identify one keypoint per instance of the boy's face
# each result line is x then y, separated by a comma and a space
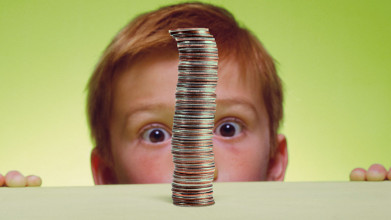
142, 119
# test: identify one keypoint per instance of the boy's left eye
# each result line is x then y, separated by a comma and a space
155, 135
228, 129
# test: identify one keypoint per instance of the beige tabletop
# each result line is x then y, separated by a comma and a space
250, 200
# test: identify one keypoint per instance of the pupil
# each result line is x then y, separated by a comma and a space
227, 130
156, 136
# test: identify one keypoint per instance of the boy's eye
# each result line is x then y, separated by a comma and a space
155, 135
228, 129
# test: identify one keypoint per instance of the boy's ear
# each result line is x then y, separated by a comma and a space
102, 170
277, 164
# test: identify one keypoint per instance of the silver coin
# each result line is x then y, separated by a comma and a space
193, 124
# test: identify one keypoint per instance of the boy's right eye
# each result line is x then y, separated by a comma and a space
155, 135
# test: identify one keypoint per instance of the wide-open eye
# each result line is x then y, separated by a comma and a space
228, 129
155, 135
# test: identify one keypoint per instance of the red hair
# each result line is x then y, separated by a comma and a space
149, 31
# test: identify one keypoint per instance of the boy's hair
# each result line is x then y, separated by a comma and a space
149, 32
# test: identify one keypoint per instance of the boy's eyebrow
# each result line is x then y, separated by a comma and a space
147, 107
245, 106
220, 102
234, 101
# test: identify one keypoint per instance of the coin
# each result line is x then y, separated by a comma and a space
192, 132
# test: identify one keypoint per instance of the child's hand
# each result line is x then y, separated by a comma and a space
376, 172
16, 179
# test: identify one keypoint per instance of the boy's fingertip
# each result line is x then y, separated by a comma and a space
376, 172
33, 180
2, 180
358, 174
15, 179
389, 174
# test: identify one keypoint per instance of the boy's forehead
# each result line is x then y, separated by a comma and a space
231, 70
153, 77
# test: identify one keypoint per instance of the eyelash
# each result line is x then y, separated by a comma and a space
151, 127
160, 126
230, 119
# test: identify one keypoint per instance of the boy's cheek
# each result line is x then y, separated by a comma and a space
146, 166
242, 161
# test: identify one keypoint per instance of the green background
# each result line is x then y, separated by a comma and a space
333, 57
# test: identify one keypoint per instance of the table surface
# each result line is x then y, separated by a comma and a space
245, 200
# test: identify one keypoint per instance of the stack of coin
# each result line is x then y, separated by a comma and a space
192, 132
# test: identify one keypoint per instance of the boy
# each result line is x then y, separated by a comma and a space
140, 90
137, 77
132, 96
